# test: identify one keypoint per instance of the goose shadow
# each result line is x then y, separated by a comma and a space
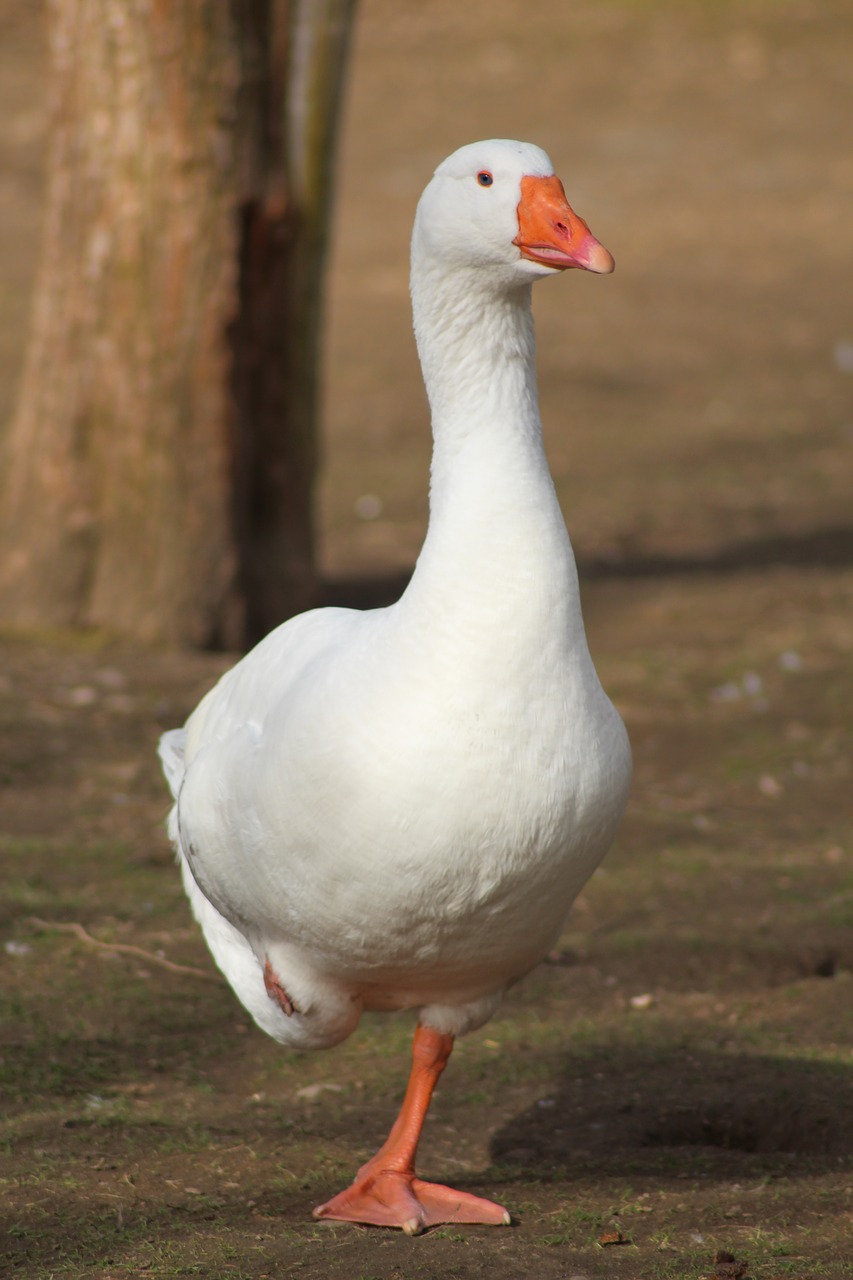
683, 1113
830, 548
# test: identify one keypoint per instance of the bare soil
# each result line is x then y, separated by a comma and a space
678, 1079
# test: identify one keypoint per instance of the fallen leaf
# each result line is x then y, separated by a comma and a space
612, 1237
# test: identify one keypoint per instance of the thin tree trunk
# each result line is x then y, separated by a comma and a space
158, 470
276, 339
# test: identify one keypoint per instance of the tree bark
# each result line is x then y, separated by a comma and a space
158, 471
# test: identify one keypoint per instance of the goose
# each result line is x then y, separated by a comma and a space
394, 808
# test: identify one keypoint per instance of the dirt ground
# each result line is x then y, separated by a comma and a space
678, 1079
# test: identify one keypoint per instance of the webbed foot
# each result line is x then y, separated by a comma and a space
387, 1198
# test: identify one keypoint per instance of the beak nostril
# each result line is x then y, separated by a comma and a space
561, 226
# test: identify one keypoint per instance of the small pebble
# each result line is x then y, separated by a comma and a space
368, 506
83, 695
17, 948
843, 353
311, 1091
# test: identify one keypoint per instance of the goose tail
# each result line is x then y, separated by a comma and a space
171, 752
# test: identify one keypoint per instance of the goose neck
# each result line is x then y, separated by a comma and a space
477, 350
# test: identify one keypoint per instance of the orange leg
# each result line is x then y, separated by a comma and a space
386, 1191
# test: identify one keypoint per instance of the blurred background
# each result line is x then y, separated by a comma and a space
697, 405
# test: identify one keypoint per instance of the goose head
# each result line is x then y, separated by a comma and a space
498, 206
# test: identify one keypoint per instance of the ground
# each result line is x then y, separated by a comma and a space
678, 1078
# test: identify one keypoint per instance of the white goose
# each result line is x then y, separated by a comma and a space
394, 809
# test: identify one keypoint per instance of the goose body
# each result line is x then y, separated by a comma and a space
395, 808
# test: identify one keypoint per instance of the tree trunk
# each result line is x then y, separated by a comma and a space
158, 471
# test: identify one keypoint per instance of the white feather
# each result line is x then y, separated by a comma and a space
396, 808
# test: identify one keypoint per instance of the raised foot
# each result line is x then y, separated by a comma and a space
392, 1199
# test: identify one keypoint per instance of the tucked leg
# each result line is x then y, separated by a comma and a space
386, 1191
276, 991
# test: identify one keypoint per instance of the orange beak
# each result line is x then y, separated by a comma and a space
550, 232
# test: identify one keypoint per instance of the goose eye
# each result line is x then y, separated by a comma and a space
484, 178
